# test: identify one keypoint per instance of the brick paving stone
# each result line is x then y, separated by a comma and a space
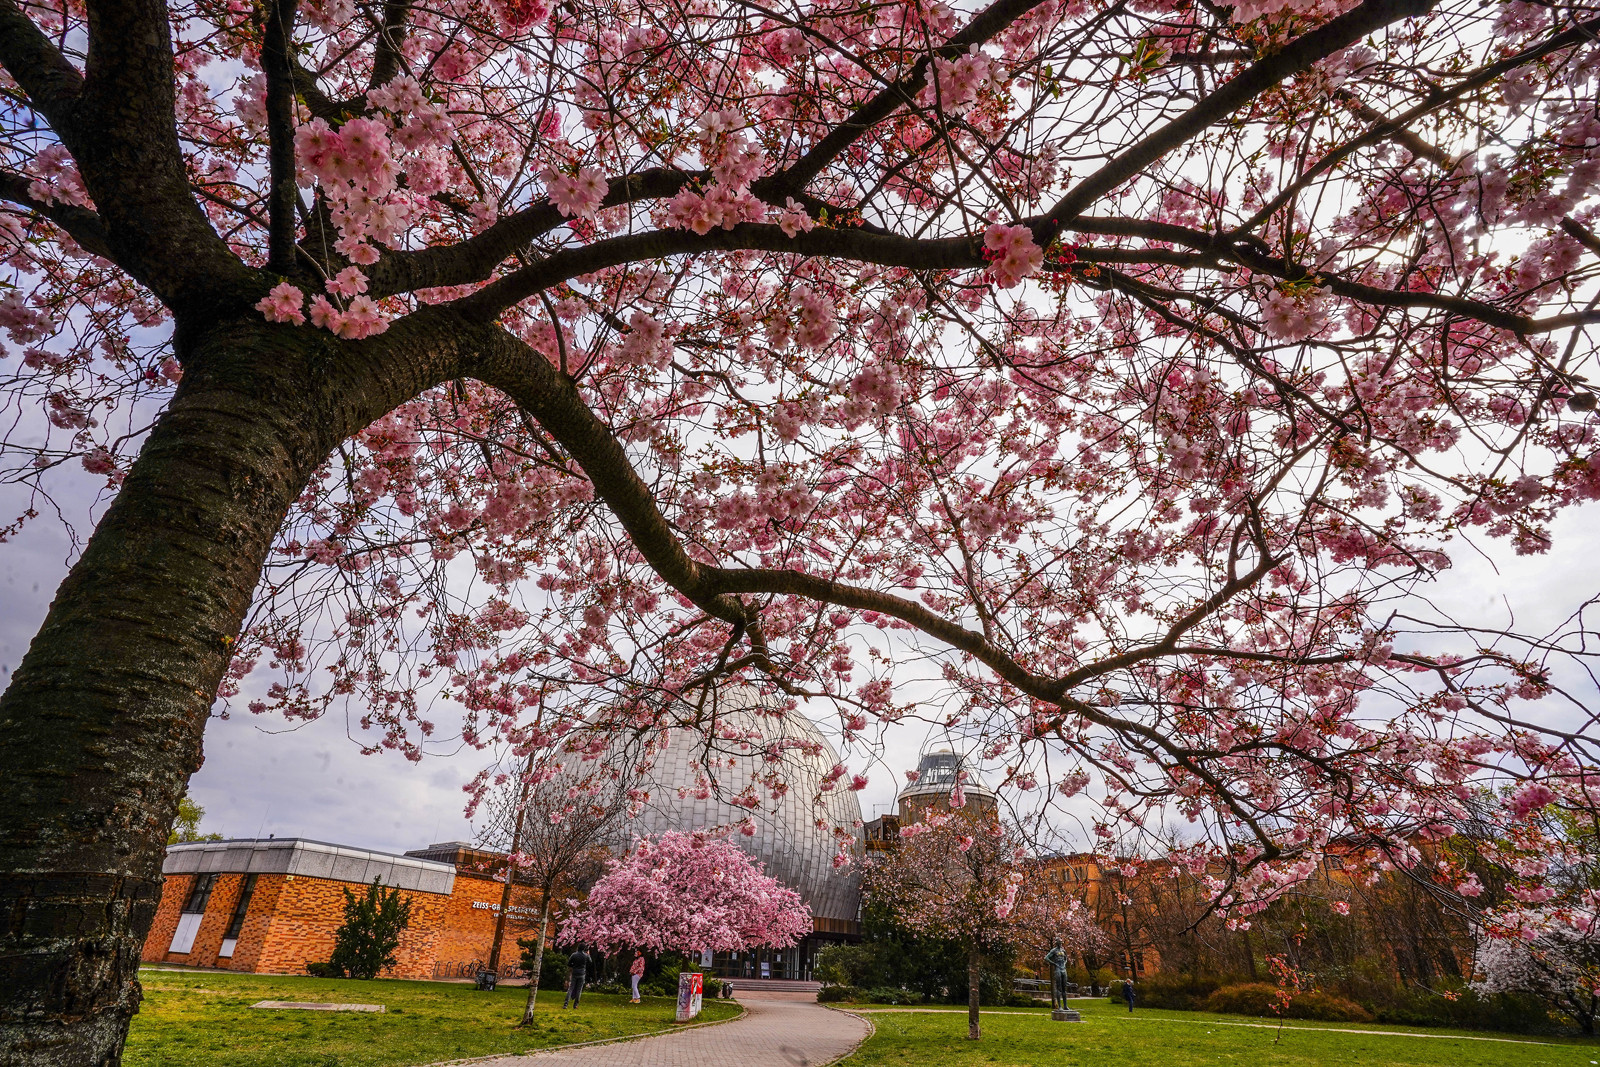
779, 1030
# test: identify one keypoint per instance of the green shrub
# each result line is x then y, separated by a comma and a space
1179, 992
833, 994
856, 965
366, 942
1258, 998
1328, 1007
1466, 1010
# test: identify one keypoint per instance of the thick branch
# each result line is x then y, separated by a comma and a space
34, 63
124, 136
475, 259
1252, 254
988, 22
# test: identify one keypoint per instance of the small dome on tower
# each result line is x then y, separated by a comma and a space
939, 771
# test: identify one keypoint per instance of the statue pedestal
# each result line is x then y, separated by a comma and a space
1065, 1015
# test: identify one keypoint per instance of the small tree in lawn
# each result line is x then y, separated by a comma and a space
958, 876
690, 892
556, 819
366, 943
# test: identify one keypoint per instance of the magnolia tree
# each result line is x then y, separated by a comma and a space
1127, 362
1551, 955
687, 892
961, 875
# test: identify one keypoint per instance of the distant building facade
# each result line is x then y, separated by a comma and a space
271, 907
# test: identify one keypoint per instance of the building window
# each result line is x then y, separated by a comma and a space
200, 894
194, 909
236, 924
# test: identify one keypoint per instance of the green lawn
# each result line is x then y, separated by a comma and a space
204, 1019
1150, 1038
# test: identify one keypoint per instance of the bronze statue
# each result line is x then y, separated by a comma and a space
1057, 959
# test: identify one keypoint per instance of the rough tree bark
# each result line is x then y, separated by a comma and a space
101, 726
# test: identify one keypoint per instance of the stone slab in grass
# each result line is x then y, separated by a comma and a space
309, 1006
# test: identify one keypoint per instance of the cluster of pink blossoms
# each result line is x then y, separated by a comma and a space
1015, 255
361, 316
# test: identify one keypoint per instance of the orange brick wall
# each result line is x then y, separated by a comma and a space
292, 919
467, 932
253, 935
174, 891
309, 910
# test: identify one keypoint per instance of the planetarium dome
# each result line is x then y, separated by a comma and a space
750, 743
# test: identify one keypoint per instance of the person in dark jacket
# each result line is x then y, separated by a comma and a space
1127, 992
577, 970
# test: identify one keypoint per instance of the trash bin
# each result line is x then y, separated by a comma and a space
486, 980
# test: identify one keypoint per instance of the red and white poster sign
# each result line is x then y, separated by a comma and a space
690, 986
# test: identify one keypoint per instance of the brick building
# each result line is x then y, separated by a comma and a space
271, 907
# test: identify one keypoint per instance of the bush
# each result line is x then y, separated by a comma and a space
1258, 998
851, 965
1179, 992
1468, 1010
366, 942
833, 994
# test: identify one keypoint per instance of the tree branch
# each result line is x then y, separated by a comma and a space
50, 80
81, 224
282, 190
1297, 56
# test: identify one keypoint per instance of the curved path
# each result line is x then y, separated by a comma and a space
778, 1030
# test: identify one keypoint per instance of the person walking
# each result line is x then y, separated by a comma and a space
1127, 993
635, 973
577, 970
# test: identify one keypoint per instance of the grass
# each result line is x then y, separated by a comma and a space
1150, 1038
204, 1019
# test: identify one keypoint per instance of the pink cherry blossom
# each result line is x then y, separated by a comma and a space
283, 304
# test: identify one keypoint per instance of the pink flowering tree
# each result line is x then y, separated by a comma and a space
961, 875
496, 362
687, 892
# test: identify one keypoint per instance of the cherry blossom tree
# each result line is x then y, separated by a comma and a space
687, 892
494, 362
961, 875
555, 818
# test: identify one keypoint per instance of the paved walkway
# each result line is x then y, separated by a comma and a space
779, 1030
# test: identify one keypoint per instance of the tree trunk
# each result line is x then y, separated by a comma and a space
974, 978
538, 961
511, 873
101, 726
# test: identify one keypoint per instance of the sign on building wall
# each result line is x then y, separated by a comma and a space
690, 986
